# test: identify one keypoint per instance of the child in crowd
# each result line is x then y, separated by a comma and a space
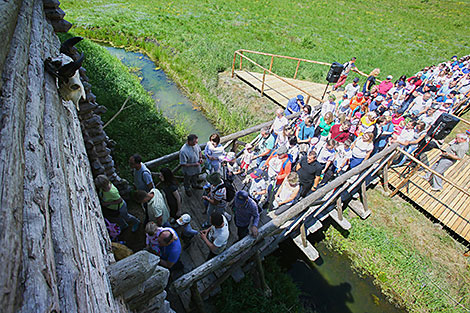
293, 150
231, 166
324, 126
342, 158
247, 157
185, 222
258, 186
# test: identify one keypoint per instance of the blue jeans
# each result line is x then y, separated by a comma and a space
125, 217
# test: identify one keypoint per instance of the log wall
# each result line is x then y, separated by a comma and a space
54, 246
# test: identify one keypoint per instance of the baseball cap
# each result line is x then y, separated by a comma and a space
379, 98
240, 197
184, 219
401, 83
389, 77
257, 173
360, 94
356, 79
282, 150
229, 157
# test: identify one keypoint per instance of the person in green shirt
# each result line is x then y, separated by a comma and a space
111, 199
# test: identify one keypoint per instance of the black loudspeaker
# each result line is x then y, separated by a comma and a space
334, 73
442, 126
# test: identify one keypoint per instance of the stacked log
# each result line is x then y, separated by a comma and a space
98, 144
56, 16
55, 248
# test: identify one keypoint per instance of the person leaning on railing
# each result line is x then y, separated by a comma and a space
454, 152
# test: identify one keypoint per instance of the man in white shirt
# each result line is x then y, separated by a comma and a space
216, 237
352, 88
421, 103
279, 122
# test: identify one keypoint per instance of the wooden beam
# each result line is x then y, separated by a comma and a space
262, 85
310, 252
433, 171
297, 69
272, 226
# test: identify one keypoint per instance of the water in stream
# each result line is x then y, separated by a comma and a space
329, 285
168, 98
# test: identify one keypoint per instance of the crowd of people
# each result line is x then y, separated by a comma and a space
294, 157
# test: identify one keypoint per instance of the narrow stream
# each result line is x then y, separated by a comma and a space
168, 98
329, 285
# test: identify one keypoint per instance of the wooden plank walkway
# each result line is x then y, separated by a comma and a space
450, 206
195, 251
280, 92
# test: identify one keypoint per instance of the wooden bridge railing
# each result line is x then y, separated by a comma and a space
373, 165
227, 140
241, 54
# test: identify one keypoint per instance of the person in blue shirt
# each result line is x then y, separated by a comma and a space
246, 212
376, 103
294, 105
164, 242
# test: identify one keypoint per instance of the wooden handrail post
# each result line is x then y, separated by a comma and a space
196, 296
364, 196
339, 208
296, 69
262, 85
233, 64
308, 99
385, 177
241, 60
271, 65
259, 267
303, 235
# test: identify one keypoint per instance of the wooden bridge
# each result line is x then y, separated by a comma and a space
202, 278
280, 89
451, 206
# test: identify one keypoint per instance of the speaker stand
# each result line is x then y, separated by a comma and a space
324, 92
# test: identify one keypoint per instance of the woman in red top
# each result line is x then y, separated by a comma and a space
340, 132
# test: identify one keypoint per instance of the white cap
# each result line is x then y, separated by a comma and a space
230, 157
184, 219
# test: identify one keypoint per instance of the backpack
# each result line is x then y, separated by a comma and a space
113, 229
229, 189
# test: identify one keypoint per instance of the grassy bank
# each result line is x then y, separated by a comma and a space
193, 41
413, 260
140, 128
242, 297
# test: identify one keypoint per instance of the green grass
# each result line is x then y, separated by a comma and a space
411, 259
243, 297
194, 40
140, 128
